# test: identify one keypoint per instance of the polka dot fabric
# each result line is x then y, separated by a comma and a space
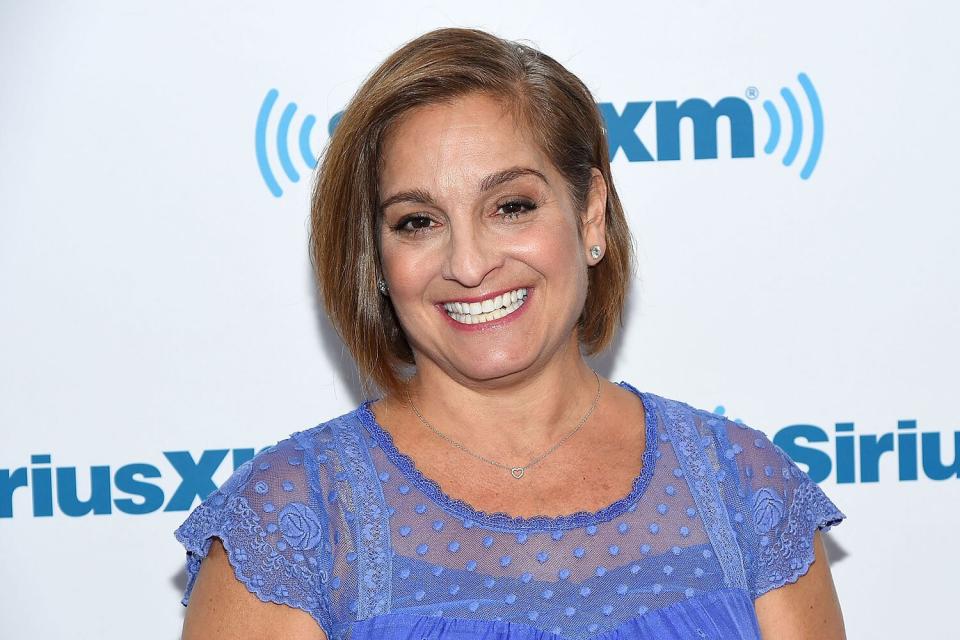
337, 522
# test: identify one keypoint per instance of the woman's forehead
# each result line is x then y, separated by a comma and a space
455, 143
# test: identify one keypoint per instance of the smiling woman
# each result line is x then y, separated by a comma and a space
470, 248
491, 215
548, 150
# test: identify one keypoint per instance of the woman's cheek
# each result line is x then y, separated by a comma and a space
545, 248
409, 272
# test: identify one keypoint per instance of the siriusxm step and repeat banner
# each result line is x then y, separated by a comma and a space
788, 172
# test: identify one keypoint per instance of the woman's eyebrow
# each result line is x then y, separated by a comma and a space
421, 196
500, 177
418, 196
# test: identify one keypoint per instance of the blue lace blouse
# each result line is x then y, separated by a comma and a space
336, 521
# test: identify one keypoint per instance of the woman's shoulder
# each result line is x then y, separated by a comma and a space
771, 504
315, 444
275, 516
288, 476
705, 429
730, 451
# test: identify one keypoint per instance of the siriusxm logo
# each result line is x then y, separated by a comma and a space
841, 455
851, 458
621, 126
195, 480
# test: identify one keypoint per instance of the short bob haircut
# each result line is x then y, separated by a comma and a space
549, 102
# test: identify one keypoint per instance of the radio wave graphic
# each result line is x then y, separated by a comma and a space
282, 141
796, 123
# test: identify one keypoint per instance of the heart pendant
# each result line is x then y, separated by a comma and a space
517, 472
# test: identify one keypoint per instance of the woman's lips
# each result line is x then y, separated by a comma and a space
486, 312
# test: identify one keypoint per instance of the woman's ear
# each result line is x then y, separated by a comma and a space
593, 229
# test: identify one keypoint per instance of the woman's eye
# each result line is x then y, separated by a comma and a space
413, 224
515, 208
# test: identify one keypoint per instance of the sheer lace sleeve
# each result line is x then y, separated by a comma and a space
270, 516
779, 508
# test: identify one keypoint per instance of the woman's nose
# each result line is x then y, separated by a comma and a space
471, 255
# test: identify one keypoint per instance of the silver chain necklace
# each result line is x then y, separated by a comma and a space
516, 472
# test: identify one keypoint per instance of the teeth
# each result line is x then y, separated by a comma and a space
487, 310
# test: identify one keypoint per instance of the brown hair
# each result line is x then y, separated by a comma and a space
557, 110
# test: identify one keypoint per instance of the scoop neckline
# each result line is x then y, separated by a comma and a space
503, 521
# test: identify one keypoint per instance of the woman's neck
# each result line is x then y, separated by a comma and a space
521, 414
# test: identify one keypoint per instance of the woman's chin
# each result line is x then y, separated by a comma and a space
486, 370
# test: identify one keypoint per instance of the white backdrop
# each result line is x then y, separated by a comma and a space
156, 306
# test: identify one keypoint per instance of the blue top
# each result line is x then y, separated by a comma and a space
336, 521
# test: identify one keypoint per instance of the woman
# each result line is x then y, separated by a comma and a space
470, 245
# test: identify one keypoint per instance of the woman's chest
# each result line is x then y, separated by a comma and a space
407, 553
423, 572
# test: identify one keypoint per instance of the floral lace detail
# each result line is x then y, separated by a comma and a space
300, 526
785, 556
686, 442
267, 573
373, 526
767, 510
502, 521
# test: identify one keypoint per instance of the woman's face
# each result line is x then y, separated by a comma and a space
479, 241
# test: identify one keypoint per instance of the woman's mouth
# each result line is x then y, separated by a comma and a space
487, 310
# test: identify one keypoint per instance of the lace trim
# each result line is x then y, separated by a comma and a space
706, 493
374, 570
503, 521
789, 554
238, 527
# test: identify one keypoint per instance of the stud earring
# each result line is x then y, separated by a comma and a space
596, 252
382, 285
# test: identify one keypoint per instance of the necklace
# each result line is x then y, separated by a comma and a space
516, 472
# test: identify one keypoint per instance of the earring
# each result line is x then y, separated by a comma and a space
382, 285
596, 252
